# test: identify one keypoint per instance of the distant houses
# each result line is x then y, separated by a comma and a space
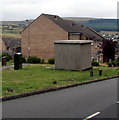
38, 38
10, 45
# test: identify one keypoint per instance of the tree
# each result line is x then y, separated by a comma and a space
108, 48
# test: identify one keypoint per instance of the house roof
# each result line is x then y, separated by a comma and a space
67, 25
12, 43
72, 27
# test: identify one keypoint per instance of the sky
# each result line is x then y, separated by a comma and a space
13, 10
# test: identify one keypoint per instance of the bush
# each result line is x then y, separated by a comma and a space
33, 59
42, 61
51, 61
8, 57
114, 63
4, 54
109, 64
95, 63
117, 62
23, 60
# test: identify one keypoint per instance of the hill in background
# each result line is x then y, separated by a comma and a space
105, 27
16, 22
97, 24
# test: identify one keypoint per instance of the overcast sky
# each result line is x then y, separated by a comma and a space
30, 9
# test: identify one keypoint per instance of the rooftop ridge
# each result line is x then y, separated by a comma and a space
71, 27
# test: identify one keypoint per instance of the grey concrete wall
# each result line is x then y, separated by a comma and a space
85, 55
73, 55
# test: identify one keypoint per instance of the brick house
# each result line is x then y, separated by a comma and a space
10, 45
2, 45
39, 36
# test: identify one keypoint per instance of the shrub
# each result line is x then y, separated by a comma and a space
23, 60
114, 63
51, 61
33, 59
0, 56
109, 64
8, 57
95, 63
4, 54
117, 62
42, 61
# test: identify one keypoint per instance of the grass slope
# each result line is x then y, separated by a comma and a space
103, 26
38, 77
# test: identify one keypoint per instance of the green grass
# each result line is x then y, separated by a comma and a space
7, 33
10, 62
9, 29
11, 35
38, 77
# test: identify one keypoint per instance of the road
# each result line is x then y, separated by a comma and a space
109, 112
91, 100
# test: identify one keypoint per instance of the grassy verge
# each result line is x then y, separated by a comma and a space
38, 77
11, 62
11, 35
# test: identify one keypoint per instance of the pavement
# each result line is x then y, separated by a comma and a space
6, 67
95, 100
10, 66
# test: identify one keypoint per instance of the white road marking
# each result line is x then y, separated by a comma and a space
91, 116
117, 102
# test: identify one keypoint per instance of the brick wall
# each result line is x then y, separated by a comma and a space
95, 49
40, 36
83, 37
2, 45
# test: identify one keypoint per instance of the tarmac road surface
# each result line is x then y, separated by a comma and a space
91, 100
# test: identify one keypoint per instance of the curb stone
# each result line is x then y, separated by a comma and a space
52, 89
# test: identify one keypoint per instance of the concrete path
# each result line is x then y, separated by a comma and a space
6, 67
10, 66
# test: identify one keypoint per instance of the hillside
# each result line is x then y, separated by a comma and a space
97, 24
16, 22
101, 24
81, 19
